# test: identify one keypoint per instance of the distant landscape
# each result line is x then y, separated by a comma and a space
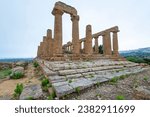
16, 59
141, 55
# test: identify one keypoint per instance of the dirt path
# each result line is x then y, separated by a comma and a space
7, 87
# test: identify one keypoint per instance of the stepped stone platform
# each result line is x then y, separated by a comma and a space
68, 76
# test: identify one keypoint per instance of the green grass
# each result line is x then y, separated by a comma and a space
70, 81
120, 97
77, 90
145, 78
4, 73
52, 96
114, 80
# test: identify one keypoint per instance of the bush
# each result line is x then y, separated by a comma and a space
45, 82
35, 64
17, 75
18, 90
52, 96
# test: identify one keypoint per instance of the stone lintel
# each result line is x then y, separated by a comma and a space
65, 8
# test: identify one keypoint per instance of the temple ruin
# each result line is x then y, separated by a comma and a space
52, 48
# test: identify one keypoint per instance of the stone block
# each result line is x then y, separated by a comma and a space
34, 91
63, 90
81, 83
66, 72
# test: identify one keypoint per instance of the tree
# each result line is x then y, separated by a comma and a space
101, 49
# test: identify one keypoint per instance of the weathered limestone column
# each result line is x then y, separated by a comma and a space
115, 43
45, 47
107, 43
88, 40
75, 34
41, 50
80, 45
50, 42
96, 45
38, 51
58, 31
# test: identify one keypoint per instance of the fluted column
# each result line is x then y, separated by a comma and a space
75, 34
88, 40
96, 45
115, 44
58, 31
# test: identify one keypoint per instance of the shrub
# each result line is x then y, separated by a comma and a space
17, 75
45, 82
35, 64
52, 96
77, 90
120, 97
18, 90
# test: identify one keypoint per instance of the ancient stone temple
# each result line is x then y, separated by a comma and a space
52, 48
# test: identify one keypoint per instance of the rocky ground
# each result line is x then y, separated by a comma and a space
134, 86
7, 86
100, 83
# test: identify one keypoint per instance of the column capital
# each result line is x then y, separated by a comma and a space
57, 11
73, 17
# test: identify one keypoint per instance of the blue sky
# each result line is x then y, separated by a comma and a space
23, 23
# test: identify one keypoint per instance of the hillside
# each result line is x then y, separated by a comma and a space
141, 52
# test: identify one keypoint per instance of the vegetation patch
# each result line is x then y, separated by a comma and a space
35, 64
45, 84
52, 96
77, 90
120, 97
4, 73
138, 59
17, 75
18, 90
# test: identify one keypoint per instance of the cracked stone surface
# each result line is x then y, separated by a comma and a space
65, 76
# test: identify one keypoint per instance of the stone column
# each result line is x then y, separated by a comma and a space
107, 43
38, 51
44, 47
80, 45
50, 43
96, 45
58, 31
75, 34
115, 44
41, 50
88, 40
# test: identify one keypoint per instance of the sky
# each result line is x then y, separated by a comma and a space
23, 23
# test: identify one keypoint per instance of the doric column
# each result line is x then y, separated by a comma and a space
80, 45
50, 43
75, 34
44, 46
38, 51
58, 31
107, 43
115, 43
88, 40
96, 45
41, 50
